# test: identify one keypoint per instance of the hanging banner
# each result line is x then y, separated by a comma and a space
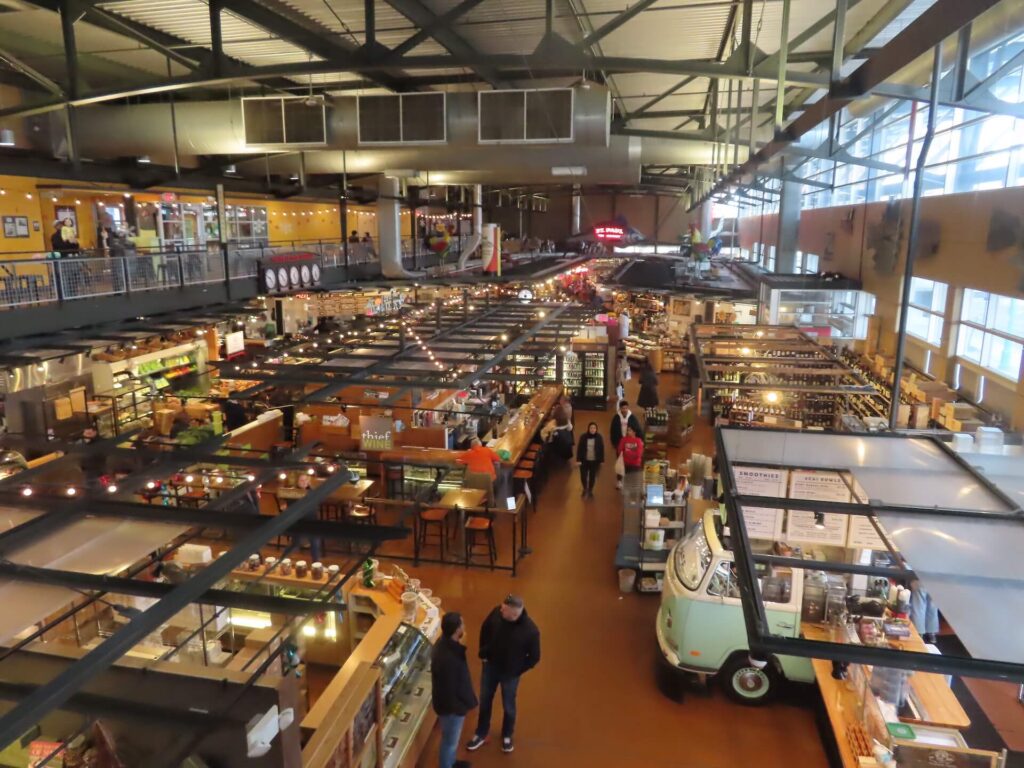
762, 522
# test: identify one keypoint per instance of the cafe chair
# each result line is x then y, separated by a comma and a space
481, 524
395, 474
436, 518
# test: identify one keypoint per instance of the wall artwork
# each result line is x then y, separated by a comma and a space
1006, 230
15, 226
884, 239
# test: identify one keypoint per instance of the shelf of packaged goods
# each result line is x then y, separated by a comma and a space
189, 362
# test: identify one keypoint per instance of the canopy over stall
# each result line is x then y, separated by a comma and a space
957, 529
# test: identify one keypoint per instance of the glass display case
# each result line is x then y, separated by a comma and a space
127, 407
405, 691
835, 309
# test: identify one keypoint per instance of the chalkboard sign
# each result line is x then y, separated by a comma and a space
932, 756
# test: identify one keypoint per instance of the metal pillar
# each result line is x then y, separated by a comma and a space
913, 234
478, 209
389, 232
67, 25
576, 206
780, 88
789, 226
222, 238
344, 209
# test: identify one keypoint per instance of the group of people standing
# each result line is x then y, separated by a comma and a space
627, 439
509, 648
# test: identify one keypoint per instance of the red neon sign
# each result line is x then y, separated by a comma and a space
609, 232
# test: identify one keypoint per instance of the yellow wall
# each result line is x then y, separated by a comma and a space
954, 232
20, 198
288, 220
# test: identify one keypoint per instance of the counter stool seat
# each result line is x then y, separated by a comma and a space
436, 517
480, 525
526, 464
363, 514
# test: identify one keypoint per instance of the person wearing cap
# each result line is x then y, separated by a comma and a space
453, 695
509, 647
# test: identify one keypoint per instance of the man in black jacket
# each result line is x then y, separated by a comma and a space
453, 694
509, 646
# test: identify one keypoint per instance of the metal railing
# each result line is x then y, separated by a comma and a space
40, 279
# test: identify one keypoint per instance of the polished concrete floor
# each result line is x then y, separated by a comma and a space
594, 700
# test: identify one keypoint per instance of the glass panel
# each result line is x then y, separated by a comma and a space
969, 343
1002, 355
1007, 315
928, 294
924, 325
975, 308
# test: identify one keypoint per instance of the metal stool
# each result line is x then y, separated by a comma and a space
520, 479
482, 524
436, 517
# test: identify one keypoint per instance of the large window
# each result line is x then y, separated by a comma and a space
927, 310
992, 332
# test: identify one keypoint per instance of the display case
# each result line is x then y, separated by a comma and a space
835, 309
128, 406
405, 691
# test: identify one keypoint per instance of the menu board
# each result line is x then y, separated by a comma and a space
862, 534
762, 522
819, 486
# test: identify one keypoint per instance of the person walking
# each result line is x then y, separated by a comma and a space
590, 454
620, 422
631, 451
509, 647
452, 694
648, 397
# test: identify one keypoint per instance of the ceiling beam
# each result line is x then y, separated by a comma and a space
420, 15
445, 20
934, 25
282, 22
615, 22
32, 74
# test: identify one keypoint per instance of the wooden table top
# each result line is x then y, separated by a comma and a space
464, 497
348, 492
940, 706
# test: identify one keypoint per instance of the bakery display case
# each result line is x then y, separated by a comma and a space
405, 690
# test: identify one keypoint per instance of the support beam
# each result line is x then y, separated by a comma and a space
446, 19
155, 590
32, 74
370, 22
838, 40
216, 38
422, 16
615, 22
780, 86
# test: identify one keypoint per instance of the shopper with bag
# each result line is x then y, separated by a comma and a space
621, 421
631, 452
590, 455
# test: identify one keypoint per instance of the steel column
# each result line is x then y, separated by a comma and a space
780, 87
914, 235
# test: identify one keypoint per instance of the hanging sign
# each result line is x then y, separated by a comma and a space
376, 433
609, 233
762, 522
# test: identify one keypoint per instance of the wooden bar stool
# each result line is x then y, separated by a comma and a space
331, 511
526, 464
481, 524
436, 517
362, 514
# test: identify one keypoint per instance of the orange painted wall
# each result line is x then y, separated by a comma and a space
20, 198
954, 232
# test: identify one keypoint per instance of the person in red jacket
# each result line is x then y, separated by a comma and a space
631, 449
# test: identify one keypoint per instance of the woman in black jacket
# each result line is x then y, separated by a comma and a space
648, 397
590, 454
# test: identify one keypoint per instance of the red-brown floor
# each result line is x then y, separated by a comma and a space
593, 700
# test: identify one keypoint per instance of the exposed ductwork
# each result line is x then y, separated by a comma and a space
211, 129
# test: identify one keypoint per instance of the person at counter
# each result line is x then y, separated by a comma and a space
480, 462
923, 612
453, 695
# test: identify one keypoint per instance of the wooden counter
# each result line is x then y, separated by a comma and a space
516, 439
941, 708
518, 436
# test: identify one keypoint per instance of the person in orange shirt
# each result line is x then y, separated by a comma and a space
480, 459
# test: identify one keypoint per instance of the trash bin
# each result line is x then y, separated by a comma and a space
627, 580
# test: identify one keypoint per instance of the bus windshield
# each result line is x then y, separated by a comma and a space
692, 558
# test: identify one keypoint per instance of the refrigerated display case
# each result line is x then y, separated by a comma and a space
405, 691
833, 309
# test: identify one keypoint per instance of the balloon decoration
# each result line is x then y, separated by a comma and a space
439, 241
